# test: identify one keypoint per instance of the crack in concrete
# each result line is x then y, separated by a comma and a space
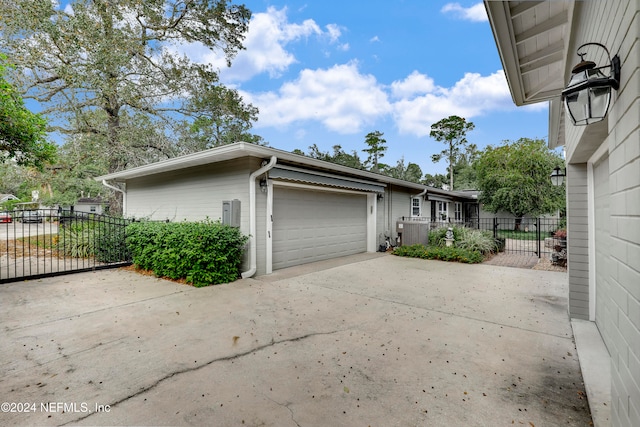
284, 406
195, 368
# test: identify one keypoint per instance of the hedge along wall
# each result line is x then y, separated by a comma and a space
203, 253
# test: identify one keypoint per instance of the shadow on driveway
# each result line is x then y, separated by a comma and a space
379, 340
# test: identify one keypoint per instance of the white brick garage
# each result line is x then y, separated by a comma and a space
310, 225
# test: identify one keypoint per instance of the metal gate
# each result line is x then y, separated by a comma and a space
524, 235
49, 242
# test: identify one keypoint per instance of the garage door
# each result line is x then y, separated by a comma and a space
312, 226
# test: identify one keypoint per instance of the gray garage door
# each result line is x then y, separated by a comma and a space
312, 226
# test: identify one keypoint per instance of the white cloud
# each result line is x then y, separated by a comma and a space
471, 96
415, 83
344, 100
475, 13
265, 46
268, 35
374, 39
341, 98
334, 32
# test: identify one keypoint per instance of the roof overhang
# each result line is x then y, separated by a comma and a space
243, 149
533, 39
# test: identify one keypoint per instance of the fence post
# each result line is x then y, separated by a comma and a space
495, 228
538, 235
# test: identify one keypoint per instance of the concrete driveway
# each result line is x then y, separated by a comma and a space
377, 341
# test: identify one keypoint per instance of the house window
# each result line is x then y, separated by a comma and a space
92, 209
415, 206
458, 212
443, 211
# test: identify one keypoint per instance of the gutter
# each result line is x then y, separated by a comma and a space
124, 195
252, 216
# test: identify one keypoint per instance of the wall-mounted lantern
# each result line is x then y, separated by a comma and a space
557, 176
588, 94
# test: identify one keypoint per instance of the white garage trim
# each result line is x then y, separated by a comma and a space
602, 151
371, 214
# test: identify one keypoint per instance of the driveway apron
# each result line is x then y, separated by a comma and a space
386, 341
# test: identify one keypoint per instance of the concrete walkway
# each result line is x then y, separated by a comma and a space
379, 340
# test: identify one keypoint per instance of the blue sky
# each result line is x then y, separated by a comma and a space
329, 72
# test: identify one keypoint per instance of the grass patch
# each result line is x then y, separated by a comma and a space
518, 235
42, 241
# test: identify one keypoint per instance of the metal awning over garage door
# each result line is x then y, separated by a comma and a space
311, 226
307, 177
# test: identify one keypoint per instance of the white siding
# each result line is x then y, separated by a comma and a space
577, 241
192, 194
616, 24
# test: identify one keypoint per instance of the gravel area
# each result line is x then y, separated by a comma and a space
545, 264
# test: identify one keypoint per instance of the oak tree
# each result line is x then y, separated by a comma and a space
514, 177
99, 66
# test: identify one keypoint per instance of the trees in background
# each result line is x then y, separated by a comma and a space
376, 149
110, 75
339, 156
101, 67
22, 133
410, 172
452, 132
514, 177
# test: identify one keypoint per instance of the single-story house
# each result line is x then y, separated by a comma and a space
539, 44
94, 205
295, 209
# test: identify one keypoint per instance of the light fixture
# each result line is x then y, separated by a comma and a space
557, 176
588, 94
263, 185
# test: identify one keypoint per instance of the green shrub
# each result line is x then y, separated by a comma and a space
451, 253
464, 238
203, 253
476, 240
87, 238
76, 242
111, 241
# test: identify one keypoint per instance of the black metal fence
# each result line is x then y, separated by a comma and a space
49, 242
523, 236
517, 236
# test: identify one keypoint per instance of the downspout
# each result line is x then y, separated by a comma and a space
252, 217
124, 195
418, 195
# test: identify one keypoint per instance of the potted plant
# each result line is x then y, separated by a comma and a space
561, 235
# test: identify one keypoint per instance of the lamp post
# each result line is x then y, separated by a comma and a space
588, 94
558, 176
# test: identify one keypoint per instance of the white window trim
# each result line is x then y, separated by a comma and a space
457, 212
419, 207
445, 211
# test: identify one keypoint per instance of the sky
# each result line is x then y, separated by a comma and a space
329, 72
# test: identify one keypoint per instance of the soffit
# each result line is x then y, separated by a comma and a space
532, 38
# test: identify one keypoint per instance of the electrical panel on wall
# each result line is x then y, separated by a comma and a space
231, 212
